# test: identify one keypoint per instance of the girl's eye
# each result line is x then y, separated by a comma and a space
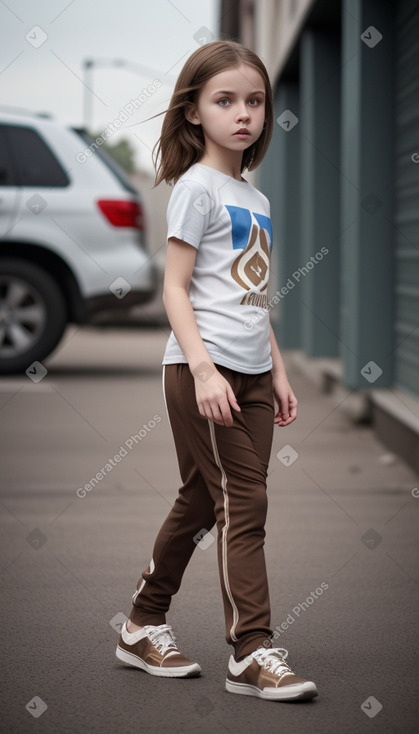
253, 102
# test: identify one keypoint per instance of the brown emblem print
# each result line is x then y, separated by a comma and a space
250, 269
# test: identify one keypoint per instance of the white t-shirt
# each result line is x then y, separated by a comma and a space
229, 224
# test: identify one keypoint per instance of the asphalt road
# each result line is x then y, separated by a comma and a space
343, 521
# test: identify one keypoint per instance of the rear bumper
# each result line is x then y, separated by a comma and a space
109, 302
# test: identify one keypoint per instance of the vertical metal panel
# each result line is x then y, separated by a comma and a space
406, 192
279, 177
367, 183
318, 279
288, 216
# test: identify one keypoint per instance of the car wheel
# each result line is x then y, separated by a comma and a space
33, 314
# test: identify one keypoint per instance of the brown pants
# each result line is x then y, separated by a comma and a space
224, 472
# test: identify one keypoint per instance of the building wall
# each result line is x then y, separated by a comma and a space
406, 196
277, 26
340, 176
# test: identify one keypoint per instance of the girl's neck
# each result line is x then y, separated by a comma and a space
223, 164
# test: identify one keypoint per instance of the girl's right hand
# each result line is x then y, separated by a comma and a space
214, 395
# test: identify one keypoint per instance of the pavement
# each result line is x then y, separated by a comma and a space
341, 551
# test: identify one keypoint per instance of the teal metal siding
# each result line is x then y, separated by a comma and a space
406, 192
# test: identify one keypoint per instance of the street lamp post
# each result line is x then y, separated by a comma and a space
88, 93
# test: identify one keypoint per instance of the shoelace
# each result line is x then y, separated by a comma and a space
161, 637
273, 659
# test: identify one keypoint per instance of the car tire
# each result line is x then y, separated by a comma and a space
33, 314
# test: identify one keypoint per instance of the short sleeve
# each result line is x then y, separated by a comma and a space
188, 212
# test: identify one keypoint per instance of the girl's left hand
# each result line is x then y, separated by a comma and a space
285, 402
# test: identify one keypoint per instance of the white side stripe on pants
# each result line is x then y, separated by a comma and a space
152, 566
224, 531
143, 583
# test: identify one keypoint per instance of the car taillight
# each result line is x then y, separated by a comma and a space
122, 213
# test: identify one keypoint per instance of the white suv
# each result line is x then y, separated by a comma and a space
72, 237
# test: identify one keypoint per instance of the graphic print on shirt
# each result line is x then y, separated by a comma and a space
251, 233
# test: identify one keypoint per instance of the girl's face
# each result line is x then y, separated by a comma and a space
231, 109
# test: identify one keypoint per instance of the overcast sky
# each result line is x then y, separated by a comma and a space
44, 44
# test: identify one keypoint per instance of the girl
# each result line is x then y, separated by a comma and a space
224, 381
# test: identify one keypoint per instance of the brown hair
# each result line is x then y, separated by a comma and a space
181, 144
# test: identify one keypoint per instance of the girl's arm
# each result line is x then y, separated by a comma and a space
284, 398
214, 394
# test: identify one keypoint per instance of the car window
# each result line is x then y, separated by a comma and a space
7, 171
35, 163
116, 169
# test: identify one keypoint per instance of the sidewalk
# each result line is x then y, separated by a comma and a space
341, 550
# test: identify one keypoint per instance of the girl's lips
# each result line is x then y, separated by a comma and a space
242, 133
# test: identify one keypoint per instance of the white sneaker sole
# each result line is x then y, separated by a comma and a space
301, 691
130, 659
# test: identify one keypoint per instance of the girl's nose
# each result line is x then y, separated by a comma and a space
243, 113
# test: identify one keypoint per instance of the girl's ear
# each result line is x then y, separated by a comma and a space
191, 114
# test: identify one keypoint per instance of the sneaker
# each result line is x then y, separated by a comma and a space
264, 673
154, 650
